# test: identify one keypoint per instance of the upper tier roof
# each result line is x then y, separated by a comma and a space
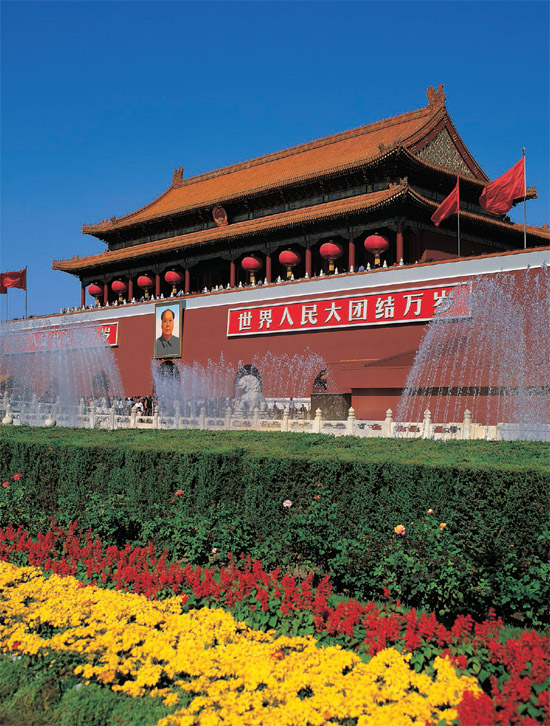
349, 149
282, 221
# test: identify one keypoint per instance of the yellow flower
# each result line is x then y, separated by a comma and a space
107, 676
442, 526
230, 670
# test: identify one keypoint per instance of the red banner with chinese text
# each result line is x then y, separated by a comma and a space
62, 338
402, 306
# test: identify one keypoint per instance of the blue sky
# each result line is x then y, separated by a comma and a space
102, 100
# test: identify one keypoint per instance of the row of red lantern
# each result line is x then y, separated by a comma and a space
330, 251
145, 282
374, 243
288, 258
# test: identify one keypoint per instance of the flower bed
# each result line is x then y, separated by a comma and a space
333, 512
513, 672
211, 668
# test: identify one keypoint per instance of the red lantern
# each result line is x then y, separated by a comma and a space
95, 291
119, 287
376, 244
331, 251
145, 282
173, 278
252, 265
289, 259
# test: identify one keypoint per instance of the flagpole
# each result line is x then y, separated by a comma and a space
26, 288
524, 201
458, 215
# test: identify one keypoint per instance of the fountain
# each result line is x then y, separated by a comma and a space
268, 382
493, 363
51, 372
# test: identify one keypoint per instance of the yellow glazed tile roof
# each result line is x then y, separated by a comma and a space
299, 163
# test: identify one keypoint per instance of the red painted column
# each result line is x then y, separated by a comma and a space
157, 284
187, 281
232, 273
82, 294
351, 253
399, 240
105, 293
130, 289
308, 261
268, 268
418, 245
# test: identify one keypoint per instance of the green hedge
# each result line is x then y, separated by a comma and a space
493, 498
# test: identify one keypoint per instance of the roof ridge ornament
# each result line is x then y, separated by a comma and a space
382, 147
177, 177
436, 97
403, 182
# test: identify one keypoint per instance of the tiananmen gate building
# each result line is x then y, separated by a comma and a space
327, 247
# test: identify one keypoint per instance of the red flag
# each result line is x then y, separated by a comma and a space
3, 290
449, 206
14, 279
499, 195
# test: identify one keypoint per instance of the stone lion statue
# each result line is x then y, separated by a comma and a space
251, 396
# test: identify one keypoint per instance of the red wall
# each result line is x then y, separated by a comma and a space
134, 354
370, 362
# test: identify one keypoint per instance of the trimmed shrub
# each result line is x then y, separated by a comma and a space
203, 494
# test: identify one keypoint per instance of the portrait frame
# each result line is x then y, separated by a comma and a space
172, 347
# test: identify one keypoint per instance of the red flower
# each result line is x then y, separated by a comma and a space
476, 710
16, 477
5, 484
179, 492
461, 661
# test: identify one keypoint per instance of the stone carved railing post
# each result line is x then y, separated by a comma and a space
284, 420
8, 418
202, 419
387, 428
227, 420
350, 423
318, 421
81, 413
256, 419
91, 415
156, 418
467, 424
112, 418
427, 425
177, 414
133, 417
